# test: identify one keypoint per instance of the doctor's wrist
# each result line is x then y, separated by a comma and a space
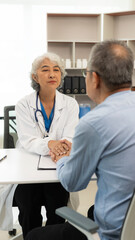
52, 144
49, 144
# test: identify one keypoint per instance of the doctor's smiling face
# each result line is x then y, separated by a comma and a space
48, 75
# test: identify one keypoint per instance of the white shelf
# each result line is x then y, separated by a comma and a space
70, 41
72, 27
72, 36
59, 41
119, 25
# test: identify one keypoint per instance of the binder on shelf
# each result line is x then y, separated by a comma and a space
61, 89
75, 85
67, 85
82, 85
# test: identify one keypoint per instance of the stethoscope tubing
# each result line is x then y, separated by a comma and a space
36, 111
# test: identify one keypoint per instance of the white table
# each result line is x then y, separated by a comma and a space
21, 167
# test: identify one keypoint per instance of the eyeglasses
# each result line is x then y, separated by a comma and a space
84, 72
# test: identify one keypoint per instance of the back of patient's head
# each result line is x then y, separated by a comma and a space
113, 61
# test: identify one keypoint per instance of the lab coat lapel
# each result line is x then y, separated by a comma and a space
41, 122
38, 114
40, 118
59, 105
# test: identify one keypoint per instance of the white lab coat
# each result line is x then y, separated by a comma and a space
31, 133
30, 138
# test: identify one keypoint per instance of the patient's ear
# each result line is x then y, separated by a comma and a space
96, 80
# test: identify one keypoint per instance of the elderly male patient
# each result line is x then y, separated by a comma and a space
104, 144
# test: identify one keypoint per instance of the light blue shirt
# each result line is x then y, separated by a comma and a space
104, 143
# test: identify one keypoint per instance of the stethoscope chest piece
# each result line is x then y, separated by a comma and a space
46, 135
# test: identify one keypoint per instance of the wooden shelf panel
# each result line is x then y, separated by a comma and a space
133, 79
66, 49
131, 44
82, 50
70, 41
72, 27
121, 13
63, 49
72, 15
119, 26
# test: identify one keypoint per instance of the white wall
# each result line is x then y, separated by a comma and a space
23, 37
102, 4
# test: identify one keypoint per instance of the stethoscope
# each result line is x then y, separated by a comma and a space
38, 110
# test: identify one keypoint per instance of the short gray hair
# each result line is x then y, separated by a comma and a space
113, 61
37, 62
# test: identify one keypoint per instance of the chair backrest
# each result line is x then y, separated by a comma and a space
128, 229
10, 133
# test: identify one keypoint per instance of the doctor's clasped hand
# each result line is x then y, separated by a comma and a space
58, 147
65, 150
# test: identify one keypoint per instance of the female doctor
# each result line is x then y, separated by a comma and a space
45, 122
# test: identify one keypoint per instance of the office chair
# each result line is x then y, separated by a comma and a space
10, 133
82, 223
128, 229
10, 138
89, 227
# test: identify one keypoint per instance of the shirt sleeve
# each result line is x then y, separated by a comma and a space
76, 170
